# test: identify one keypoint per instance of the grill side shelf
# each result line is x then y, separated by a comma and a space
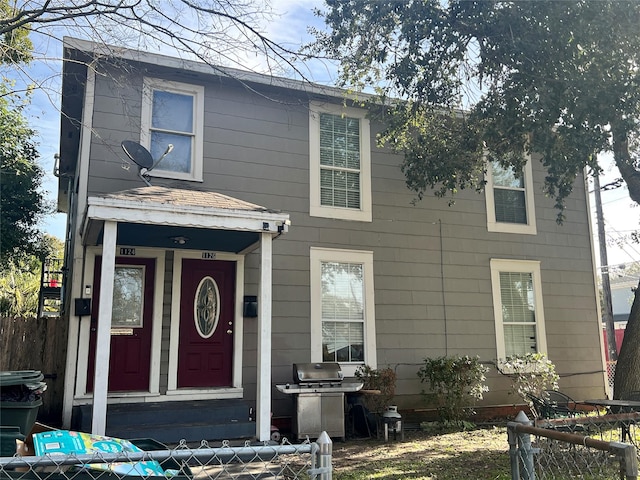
295, 388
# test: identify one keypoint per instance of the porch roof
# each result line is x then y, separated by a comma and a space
177, 218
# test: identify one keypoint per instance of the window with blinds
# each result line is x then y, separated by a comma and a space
510, 199
509, 195
342, 312
518, 313
343, 319
518, 308
339, 161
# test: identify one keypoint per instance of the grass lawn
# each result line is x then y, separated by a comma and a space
480, 454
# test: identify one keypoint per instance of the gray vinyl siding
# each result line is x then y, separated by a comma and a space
257, 149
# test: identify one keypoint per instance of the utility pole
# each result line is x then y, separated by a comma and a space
607, 308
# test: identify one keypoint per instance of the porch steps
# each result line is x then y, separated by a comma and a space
170, 422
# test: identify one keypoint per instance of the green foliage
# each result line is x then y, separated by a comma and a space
20, 280
455, 383
531, 373
21, 199
383, 380
15, 45
556, 78
19, 287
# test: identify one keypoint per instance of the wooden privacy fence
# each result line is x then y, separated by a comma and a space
37, 344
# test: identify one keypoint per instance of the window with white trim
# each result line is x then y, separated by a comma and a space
342, 308
510, 199
518, 309
173, 114
340, 162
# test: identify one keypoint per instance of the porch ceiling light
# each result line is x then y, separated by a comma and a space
180, 240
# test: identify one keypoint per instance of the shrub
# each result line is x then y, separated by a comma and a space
455, 383
531, 374
383, 380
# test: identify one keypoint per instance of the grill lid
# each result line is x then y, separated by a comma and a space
317, 372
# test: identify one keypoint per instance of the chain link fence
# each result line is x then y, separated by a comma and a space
308, 460
590, 447
609, 427
611, 375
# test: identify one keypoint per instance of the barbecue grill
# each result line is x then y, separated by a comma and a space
319, 390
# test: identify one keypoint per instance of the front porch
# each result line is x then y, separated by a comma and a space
183, 252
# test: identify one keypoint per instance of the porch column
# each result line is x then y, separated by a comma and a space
103, 334
263, 400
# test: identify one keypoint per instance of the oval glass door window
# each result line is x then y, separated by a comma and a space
206, 308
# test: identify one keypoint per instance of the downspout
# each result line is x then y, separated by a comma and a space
444, 303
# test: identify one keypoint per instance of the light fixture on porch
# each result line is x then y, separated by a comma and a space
179, 240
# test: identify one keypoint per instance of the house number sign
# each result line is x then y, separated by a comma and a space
127, 252
122, 331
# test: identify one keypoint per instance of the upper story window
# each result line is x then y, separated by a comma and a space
340, 162
510, 200
518, 310
342, 306
173, 113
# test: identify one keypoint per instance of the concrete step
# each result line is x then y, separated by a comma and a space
170, 422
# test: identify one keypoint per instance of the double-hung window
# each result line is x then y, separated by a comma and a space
173, 114
340, 162
510, 199
518, 310
342, 308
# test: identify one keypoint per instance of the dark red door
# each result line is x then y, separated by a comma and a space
205, 350
131, 324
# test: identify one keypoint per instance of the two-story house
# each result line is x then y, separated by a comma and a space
277, 232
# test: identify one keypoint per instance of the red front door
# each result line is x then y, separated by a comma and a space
205, 350
130, 357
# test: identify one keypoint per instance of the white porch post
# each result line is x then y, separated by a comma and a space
263, 401
103, 334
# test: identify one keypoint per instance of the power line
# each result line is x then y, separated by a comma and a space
622, 237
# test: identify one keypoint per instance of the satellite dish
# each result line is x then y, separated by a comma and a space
138, 154
142, 157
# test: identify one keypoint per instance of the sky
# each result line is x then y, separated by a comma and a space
621, 218
289, 27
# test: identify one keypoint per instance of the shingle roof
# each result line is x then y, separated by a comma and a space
181, 197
